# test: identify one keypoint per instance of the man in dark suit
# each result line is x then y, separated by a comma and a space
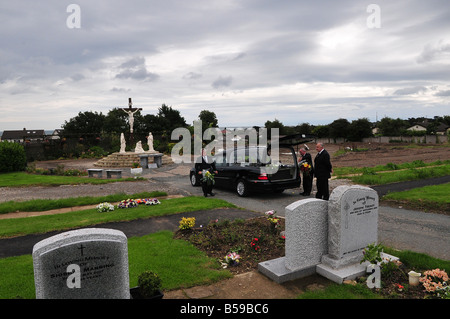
307, 176
322, 171
203, 164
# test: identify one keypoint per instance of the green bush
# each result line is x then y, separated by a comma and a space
149, 284
12, 157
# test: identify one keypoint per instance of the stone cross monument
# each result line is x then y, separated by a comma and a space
130, 111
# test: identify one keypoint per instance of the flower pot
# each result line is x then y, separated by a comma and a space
414, 278
135, 294
136, 171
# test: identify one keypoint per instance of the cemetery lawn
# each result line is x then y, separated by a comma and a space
177, 262
22, 179
392, 173
83, 218
428, 198
40, 205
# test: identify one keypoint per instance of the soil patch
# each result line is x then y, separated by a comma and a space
254, 240
372, 154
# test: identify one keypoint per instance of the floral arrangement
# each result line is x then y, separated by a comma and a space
187, 223
136, 164
305, 168
128, 203
148, 201
436, 281
254, 244
232, 259
105, 207
273, 219
208, 177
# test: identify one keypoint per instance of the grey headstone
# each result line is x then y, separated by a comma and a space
82, 264
352, 225
306, 242
352, 221
306, 233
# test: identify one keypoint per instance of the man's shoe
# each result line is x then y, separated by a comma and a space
212, 194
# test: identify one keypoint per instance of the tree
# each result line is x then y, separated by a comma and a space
208, 119
116, 122
359, 129
321, 131
170, 118
391, 127
275, 124
85, 125
339, 128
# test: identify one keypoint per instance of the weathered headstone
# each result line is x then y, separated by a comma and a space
306, 241
352, 225
82, 264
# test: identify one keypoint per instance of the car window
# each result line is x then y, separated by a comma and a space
219, 159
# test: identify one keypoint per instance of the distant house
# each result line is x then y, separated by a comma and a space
443, 129
56, 134
418, 128
21, 136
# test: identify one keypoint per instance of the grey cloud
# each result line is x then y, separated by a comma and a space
135, 69
192, 76
431, 53
411, 90
443, 93
222, 82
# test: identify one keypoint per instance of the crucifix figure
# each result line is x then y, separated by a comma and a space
130, 111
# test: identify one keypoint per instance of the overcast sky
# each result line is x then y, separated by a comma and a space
248, 61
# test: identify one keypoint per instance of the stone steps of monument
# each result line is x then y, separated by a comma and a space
117, 160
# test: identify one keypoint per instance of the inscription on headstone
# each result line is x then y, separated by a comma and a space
82, 264
353, 220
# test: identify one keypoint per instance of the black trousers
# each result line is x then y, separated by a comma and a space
207, 188
307, 184
323, 191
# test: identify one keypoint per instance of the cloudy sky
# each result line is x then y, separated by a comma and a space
248, 61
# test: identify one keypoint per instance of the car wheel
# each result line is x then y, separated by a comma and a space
241, 188
194, 180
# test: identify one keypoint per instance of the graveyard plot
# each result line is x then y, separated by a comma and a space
254, 240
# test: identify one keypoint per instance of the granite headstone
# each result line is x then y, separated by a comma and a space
82, 264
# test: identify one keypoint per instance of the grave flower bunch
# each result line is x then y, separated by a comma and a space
436, 281
105, 207
232, 259
254, 244
148, 201
128, 203
187, 223
273, 219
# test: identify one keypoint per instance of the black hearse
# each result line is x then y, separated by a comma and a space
253, 169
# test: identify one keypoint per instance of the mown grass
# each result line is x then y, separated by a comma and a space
434, 197
40, 205
372, 177
21, 179
177, 262
83, 218
343, 171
